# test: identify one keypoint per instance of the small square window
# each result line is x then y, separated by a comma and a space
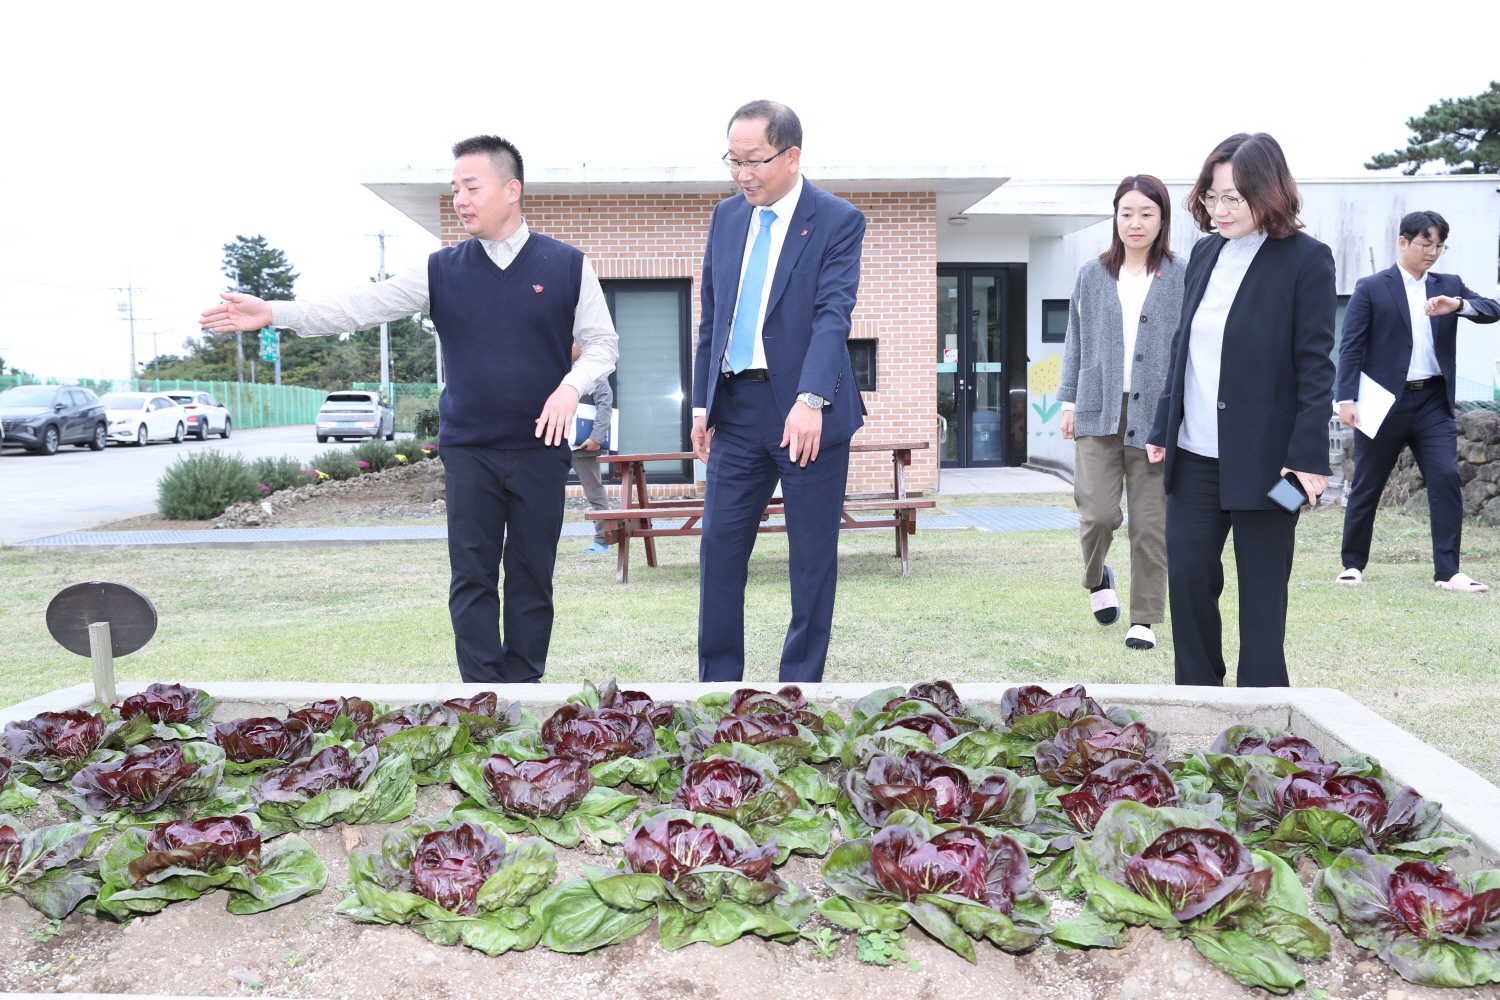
862, 354
1054, 321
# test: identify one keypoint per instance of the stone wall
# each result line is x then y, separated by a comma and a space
1478, 471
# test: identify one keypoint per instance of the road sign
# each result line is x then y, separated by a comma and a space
270, 344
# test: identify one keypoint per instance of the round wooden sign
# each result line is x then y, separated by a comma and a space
130, 613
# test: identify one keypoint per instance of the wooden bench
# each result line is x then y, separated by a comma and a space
638, 511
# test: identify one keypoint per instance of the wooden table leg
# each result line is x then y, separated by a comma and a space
902, 545
622, 554
641, 492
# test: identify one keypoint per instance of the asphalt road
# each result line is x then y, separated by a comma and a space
78, 489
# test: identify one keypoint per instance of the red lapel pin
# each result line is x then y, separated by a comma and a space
804, 232
1158, 274
537, 289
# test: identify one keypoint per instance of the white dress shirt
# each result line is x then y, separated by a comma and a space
406, 293
784, 210
1199, 432
1424, 359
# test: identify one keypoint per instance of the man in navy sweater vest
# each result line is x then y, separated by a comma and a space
773, 388
508, 305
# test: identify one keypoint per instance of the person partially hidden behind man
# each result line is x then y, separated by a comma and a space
508, 306
1401, 330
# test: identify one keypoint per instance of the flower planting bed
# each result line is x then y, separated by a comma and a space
703, 841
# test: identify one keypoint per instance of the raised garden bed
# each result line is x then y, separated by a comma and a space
316, 945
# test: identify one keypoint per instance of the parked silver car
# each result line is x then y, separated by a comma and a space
355, 414
205, 414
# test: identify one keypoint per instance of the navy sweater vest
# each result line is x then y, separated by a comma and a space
507, 337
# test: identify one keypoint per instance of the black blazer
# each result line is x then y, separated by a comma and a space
1276, 381
1377, 330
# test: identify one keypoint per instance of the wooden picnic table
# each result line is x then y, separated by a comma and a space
624, 524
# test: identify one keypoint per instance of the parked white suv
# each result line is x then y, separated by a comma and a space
205, 415
355, 414
139, 417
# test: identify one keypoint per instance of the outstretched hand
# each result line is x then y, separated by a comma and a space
237, 312
557, 416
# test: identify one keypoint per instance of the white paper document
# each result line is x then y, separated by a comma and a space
1375, 401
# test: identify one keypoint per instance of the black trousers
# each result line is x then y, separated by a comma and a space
1420, 418
1263, 546
505, 506
744, 463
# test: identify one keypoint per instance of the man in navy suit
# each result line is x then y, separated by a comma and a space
773, 388
1401, 329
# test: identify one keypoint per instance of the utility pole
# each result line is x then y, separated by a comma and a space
385, 328
128, 308
156, 351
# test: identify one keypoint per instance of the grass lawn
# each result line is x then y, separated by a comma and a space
977, 607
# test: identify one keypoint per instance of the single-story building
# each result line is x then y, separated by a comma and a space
963, 296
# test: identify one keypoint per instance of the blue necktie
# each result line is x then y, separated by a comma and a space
742, 343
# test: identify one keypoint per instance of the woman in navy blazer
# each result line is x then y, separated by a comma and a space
1247, 401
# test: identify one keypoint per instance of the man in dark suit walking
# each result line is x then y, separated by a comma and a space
773, 388
1401, 330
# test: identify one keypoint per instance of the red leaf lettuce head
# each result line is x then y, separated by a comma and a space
1361, 798
450, 866
10, 852
1033, 699
635, 703
1084, 746
675, 847
246, 740
204, 845
1292, 748
389, 724
547, 787
1145, 782
934, 725
329, 768
70, 735
320, 714
752, 730
141, 782
1192, 871
579, 732
1433, 906
5, 765
960, 862
939, 694
927, 783
163, 703
719, 785
749, 701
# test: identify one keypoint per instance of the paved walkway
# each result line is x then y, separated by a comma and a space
956, 482
987, 519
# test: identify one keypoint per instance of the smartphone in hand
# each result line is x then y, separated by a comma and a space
1288, 494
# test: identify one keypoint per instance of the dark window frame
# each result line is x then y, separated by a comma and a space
872, 345
1048, 306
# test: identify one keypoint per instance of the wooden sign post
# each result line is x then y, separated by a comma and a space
101, 621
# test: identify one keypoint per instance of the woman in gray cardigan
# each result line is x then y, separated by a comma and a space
1124, 310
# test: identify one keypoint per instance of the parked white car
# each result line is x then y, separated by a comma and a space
205, 415
355, 414
138, 417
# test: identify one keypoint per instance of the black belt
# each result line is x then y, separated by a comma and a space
1424, 383
751, 374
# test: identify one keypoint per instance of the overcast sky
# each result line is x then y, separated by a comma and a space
139, 138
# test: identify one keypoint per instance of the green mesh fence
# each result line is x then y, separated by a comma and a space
410, 399
250, 404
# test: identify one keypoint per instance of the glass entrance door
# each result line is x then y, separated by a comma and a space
973, 322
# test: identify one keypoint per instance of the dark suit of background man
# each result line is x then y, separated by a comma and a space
1401, 329
773, 388
508, 305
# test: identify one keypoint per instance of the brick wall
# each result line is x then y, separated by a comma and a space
662, 236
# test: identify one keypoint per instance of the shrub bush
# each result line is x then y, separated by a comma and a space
416, 449
336, 463
380, 454
426, 424
278, 473
199, 486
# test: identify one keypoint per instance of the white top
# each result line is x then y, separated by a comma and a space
1133, 290
1199, 432
406, 293
784, 210
1424, 361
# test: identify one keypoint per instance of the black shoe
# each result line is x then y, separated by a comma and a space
1104, 600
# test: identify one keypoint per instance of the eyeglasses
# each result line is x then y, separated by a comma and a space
1230, 201
753, 166
1430, 249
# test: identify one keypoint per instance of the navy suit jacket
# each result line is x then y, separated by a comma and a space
1275, 377
806, 329
1377, 330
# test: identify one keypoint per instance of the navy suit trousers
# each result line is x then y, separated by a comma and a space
1422, 420
505, 506
744, 463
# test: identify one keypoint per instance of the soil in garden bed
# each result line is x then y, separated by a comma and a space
305, 949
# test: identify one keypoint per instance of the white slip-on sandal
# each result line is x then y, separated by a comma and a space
1140, 637
1104, 602
1350, 576
1462, 583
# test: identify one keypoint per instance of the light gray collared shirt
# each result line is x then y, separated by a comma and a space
406, 293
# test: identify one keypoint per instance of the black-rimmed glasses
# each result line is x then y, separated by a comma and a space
751, 165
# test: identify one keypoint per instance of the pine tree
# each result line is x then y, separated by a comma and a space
1463, 133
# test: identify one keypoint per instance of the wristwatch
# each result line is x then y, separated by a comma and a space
812, 399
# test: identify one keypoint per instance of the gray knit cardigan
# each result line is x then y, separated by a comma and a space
1093, 375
